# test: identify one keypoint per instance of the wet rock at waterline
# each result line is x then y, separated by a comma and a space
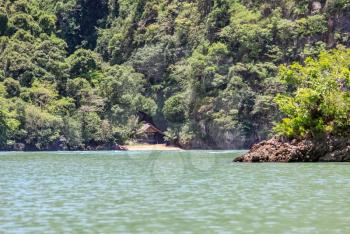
276, 150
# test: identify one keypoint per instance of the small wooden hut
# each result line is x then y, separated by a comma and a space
150, 134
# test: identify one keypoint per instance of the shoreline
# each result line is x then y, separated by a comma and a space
136, 147
130, 148
159, 147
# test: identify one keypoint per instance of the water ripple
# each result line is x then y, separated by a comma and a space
187, 192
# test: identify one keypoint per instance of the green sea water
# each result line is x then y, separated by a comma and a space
169, 192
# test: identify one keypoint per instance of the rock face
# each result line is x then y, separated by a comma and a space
277, 150
316, 7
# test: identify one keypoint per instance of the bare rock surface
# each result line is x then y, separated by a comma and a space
277, 150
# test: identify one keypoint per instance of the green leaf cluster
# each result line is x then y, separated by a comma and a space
76, 72
319, 101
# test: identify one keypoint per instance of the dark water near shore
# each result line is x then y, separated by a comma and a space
169, 192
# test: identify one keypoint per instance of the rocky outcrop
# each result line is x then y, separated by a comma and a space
277, 150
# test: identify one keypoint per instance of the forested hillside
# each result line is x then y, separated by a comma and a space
79, 71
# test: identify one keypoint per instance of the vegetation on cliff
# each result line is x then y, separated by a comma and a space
316, 106
318, 101
78, 71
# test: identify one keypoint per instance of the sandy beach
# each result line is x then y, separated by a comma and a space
159, 147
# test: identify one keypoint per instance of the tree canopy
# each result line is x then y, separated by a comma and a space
319, 98
208, 72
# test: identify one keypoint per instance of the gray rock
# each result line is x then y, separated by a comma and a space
316, 7
320, 150
19, 147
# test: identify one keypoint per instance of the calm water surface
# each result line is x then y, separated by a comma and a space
169, 192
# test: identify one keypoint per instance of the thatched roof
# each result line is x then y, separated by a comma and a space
149, 129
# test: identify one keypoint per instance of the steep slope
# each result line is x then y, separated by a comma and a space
76, 72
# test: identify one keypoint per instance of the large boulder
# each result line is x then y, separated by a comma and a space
277, 150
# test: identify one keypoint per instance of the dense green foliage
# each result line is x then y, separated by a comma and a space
204, 69
319, 103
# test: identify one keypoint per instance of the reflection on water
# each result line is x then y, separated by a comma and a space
169, 192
